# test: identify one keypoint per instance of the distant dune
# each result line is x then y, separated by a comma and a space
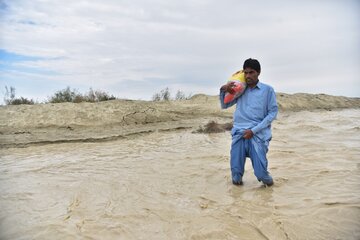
305, 101
22, 125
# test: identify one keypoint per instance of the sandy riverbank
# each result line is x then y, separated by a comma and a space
88, 122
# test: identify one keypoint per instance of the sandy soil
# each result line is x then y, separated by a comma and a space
89, 122
137, 170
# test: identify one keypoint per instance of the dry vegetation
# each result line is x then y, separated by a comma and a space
74, 96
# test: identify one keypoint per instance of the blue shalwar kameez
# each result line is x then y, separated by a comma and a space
256, 108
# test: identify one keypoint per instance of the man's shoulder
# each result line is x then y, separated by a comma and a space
265, 86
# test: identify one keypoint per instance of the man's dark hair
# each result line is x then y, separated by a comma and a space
253, 64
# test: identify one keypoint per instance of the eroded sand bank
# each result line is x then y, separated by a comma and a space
92, 122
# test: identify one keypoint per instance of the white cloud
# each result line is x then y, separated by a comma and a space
192, 45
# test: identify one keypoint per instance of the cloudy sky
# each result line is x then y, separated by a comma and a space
134, 48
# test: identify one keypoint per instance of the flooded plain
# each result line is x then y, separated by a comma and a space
177, 185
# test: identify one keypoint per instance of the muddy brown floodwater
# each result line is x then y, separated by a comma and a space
176, 185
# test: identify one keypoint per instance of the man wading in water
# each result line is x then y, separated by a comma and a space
256, 108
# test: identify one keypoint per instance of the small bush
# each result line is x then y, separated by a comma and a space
21, 100
156, 97
68, 95
165, 95
9, 95
10, 99
180, 95
65, 95
98, 96
79, 98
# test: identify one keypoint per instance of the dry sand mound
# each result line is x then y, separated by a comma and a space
63, 122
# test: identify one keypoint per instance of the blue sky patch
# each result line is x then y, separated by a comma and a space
3, 6
9, 57
9, 60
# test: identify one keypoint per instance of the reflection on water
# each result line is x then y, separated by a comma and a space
176, 185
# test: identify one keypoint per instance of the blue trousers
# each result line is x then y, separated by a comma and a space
256, 150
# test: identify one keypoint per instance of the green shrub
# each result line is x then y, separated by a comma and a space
68, 95
65, 95
21, 100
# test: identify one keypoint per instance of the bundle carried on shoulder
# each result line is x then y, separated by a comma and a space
239, 85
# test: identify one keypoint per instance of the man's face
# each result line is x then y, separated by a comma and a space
251, 76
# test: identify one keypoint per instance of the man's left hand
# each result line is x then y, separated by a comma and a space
248, 134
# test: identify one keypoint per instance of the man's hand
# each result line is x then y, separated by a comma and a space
248, 134
228, 87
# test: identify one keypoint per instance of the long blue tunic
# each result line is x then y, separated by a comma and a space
256, 108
